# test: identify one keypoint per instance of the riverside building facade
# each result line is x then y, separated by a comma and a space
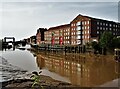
59, 35
40, 35
81, 30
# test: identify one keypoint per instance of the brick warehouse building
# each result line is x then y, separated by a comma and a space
85, 29
40, 35
58, 35
81, 30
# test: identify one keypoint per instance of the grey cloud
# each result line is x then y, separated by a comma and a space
24, 18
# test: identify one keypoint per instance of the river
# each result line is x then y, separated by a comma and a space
79, 69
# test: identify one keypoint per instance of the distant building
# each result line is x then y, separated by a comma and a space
40, 35
33, 40
58, 35
81, 30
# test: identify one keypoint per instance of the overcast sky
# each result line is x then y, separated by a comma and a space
22, 19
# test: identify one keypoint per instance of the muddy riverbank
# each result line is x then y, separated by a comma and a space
14, 77
45, 81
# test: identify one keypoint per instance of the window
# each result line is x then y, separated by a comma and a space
82, 36
88, 31
97, 27
88, 27
106, 24
101, 23
97, 23
97, 32
114, 25
82, 27
78, 37
78, 28
78, 32
110, 28
88, 22
110, 25
78, 23
72, 33
85, 22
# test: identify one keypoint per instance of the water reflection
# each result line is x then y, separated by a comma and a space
83, 70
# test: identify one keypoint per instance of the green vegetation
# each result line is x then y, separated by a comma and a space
36, 78
106, 40
106, 43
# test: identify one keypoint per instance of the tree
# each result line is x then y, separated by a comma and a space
106, 39
115, 42
96, 47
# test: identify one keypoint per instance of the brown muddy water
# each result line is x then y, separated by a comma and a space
85, 70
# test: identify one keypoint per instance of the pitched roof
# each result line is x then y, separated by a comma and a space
58, 27
92, 18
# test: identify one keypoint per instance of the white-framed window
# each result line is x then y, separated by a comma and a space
88, 37
78, 32
72, 33
82, 36
78, 37
101, 23
88, 22
88, 31
85, 22
85, 27
88, 27
79, 28
78, 23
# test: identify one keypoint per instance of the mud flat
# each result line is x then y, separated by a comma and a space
13, 77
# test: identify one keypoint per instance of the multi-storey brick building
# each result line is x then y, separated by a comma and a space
40, 35
81, 30
58, 35
85, 29
33, 40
